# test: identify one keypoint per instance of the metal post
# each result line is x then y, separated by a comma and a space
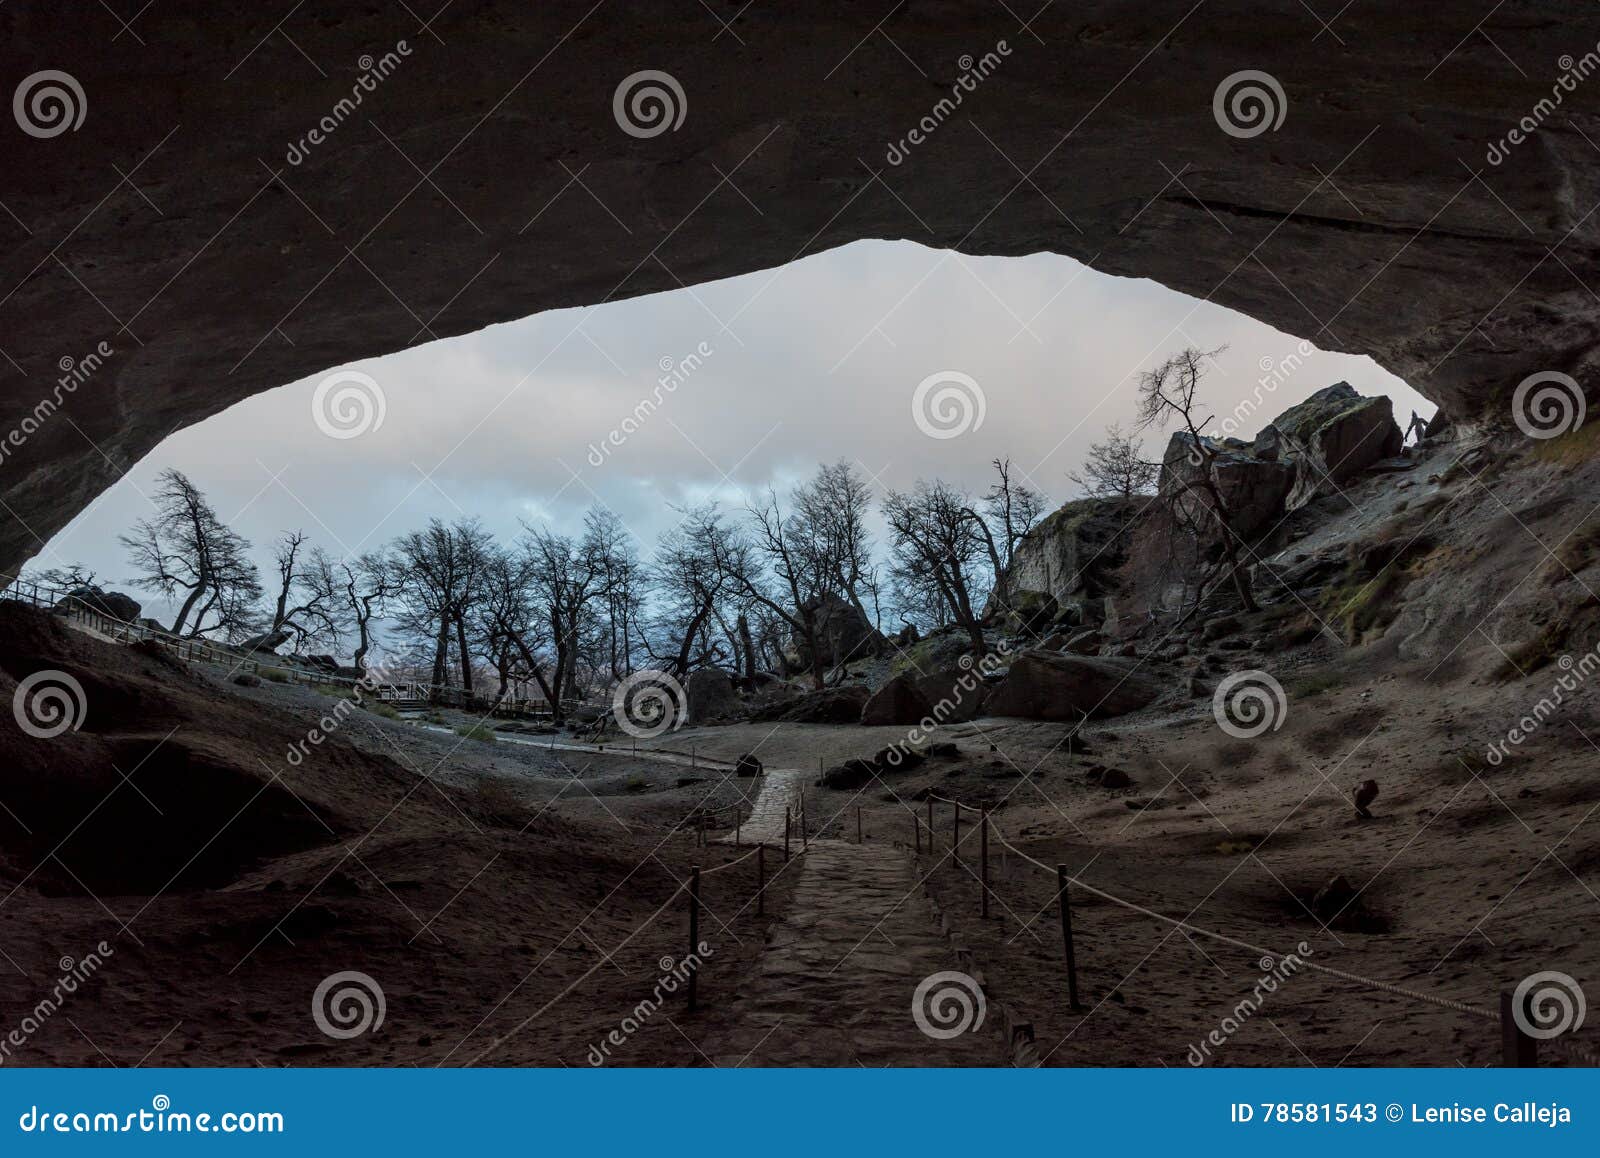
983, 844
1066, 936
694, 930
761, 879
1517, 1049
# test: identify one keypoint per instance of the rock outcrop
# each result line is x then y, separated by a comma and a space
829, 706
1330, 437
112, 603
1048, 685
899, 702
1254, 489
1071, 557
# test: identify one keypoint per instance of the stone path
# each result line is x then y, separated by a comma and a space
835, 985
780, 788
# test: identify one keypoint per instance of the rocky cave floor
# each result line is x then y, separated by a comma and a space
515, 903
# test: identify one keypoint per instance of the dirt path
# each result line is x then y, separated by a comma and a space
780, 789
836, 984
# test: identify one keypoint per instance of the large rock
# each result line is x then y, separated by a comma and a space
843, 633
711, 695
112, 603
1071, 556
829, 706
1048, 685
1254, 489
956, 694
1330, 437
898, 702
266, 641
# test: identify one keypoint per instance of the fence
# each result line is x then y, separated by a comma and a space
1518, 1048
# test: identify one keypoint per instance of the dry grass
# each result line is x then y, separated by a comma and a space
1572, 449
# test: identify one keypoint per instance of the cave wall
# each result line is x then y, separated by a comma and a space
190, 224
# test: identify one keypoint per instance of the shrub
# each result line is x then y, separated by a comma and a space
477, 731
276, 674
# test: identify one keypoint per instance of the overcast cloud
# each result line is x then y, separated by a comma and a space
817, 360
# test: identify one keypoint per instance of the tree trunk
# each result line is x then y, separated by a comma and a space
466, 656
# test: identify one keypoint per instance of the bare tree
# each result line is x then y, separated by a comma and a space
439, 575
1010, 510
185, 552
831, 514
307, 605
937, 545
1116, 468
690, 575
1169, 393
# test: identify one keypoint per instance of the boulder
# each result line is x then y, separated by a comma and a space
1333, 898
843, 633
112, 603
1332, 436
850, 775
955, 695
1030, 612
898, 702
247, 679
748, 765
830, 706
1085, 642
1048, 685
1254, 489
711, 696
1072, 555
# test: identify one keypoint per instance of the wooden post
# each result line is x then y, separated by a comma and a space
1066, 936
694, 930
955, 833
916, 832
788, 814
761, 879
1517, 1049
983, 845
930, 824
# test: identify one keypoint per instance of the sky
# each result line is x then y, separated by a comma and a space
909, 361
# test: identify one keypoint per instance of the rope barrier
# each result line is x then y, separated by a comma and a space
1223, 938
728, 865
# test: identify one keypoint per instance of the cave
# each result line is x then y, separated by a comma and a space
205, 218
